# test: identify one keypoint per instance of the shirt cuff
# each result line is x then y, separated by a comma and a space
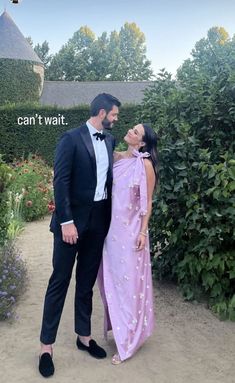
66, 223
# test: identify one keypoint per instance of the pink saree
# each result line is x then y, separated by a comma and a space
125, 278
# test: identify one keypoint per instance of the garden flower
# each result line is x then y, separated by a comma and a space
3, 293
51, 206
12, 287
29, 203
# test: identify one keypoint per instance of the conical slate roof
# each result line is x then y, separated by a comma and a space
13, 45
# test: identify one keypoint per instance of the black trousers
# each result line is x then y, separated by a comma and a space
88, 253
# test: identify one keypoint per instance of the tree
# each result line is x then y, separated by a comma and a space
62, 65
120, 56
43, 53
73, 61
99, 58
133, 54
116, 62
209, 53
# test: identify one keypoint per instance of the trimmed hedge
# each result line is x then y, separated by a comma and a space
18, 140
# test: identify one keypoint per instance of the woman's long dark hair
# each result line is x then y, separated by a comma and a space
150, 140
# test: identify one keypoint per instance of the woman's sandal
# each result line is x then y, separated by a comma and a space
116, 359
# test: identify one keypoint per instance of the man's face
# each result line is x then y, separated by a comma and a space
110, 118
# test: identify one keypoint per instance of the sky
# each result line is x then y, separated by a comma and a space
171, 27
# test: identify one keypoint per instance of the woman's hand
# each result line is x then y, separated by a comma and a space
140, 244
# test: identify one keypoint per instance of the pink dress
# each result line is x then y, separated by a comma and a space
125, 277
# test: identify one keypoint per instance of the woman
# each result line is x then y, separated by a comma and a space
125, 278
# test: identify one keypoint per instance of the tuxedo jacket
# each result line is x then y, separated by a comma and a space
75, 178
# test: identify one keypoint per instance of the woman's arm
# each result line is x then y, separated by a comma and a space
151, 179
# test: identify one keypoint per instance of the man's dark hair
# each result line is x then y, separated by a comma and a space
103, 101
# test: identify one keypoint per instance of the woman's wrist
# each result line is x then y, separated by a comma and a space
144, 232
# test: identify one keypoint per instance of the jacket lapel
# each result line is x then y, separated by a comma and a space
88, 143
85, 134
109, 147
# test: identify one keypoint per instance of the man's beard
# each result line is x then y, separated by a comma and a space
107, 124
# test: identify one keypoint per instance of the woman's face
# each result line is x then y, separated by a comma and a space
134, 136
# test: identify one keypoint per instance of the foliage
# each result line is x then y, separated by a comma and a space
118, 57
193, 218
19, 140
18, 81
42, 51
32, 181
5, 177
13, 277
14, 214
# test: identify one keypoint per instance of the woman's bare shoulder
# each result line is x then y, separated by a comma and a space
117, 156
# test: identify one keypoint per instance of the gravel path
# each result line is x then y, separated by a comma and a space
189, 343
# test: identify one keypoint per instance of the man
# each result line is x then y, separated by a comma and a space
80, 222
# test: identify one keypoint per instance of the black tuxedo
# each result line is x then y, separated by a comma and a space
75, 180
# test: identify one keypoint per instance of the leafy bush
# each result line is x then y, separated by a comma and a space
193, 218
5, 177
15, 221
32, 181
13, 277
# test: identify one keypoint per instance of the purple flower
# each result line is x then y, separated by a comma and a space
12, 287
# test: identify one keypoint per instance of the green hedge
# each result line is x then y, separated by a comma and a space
18, 81
19, 140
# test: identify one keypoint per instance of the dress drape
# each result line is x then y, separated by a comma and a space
125, 277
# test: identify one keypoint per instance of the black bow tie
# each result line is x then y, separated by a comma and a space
99, 136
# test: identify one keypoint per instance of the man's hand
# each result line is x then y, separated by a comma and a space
69, 233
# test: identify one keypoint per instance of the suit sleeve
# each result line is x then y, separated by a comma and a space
62, 178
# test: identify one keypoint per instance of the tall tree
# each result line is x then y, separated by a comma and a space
116, 62
43, 53
120, 56
211, 56
99, 58
133, 53
73, 61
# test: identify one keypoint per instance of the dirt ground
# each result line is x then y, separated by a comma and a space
190, 345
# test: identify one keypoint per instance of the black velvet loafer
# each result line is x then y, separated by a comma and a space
46, 365
93, 349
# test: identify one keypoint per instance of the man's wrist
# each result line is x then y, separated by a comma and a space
66, 223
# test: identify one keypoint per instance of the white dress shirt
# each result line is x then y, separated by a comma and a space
102, 164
